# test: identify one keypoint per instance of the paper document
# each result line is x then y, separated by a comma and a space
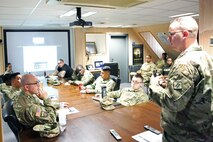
69, 110
148, 136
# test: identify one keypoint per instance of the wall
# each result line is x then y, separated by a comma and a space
81, 57
206, 24
154, 29
1, 53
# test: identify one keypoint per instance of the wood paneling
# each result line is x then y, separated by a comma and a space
154, 29
206, 24
81, 57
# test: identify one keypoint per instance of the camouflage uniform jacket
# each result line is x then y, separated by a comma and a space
159, 65
99, 82
31, 111
125, 96
9, 91
187, 102
85, 79
147, 71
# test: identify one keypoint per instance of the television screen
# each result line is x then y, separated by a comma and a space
98, 64
91, 48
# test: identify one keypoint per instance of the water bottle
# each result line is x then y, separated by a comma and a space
103, 91
45, 73
62, 120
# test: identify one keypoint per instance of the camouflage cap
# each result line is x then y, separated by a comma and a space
47, 130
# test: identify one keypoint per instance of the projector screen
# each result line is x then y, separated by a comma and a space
36, 51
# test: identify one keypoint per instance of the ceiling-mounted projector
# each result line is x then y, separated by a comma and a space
80, 22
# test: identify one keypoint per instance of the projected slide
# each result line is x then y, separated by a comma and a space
39, 58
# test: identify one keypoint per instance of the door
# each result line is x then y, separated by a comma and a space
118, 52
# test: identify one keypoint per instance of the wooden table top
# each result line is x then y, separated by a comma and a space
92, 123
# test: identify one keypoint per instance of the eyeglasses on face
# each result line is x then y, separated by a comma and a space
135, 82
173, 33
35, 83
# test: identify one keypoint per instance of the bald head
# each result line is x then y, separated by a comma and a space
28, 79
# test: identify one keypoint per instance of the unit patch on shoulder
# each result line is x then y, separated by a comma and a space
177, 85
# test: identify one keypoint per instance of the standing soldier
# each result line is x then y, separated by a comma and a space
186, 98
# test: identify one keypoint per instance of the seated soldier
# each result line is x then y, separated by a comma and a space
62, 70
126, 96
12, 89
103, 80
81, 76
147, 69
166, 68
8, 69
31, 112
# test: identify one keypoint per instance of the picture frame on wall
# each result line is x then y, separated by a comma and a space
91, 48
137, 54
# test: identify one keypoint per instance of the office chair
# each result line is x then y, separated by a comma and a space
114, 68
117, 82
1, 80
132, 70
9, 116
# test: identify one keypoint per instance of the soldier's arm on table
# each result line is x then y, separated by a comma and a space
110, 86
62, 74
114, 94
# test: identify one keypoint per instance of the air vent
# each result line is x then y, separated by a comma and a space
113, 4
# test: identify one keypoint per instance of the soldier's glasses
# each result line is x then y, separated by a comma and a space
173, 33
135, 82
35, 83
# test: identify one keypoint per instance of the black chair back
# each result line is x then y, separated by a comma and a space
1, 80
114, 68
117, 82
9, 116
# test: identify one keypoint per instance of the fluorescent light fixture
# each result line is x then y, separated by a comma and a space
69, 13
181, 15
88, 14
195, 15
38, 40
117, 26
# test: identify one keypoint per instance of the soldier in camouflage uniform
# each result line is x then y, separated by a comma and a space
147, 69
127, 96
186, 97
30, 111
161, 62
82, 76
166, 68
12, 91
103, 80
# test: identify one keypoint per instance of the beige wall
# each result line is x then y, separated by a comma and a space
154, 29
1, 53
81, 57
206, 24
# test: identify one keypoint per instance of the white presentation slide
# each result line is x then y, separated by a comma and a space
39, 58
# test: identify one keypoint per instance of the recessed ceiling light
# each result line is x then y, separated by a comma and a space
88, 14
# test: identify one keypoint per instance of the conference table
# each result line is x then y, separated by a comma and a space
92, 123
